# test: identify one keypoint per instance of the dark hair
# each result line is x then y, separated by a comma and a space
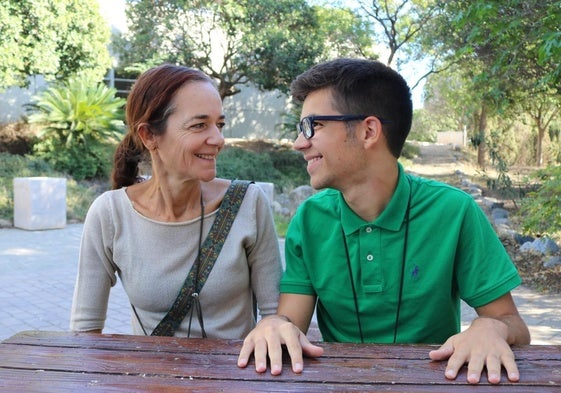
149, 102
363, 87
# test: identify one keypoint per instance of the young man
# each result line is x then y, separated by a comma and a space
387, 256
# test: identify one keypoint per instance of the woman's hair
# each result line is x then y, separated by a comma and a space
149, 102
363, 87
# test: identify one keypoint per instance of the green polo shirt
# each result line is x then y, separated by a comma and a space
452, 253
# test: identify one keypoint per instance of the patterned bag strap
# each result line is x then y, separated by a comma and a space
209, 253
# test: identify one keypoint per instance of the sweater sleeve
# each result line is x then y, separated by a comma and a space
96, 272
264, 257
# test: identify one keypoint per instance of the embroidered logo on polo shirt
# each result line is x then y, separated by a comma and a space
415, 273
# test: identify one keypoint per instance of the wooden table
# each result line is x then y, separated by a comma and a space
69, 362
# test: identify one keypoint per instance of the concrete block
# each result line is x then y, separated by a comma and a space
39, 203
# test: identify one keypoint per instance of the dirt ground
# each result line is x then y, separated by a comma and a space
16, 138
444, 162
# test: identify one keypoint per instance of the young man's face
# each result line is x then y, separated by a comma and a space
333, 155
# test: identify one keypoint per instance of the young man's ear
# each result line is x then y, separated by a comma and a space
373, 130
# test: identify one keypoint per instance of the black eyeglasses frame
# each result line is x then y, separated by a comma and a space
306, 124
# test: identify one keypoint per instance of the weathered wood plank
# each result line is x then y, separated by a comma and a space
79, 362
50, 382
347, 350
64, 339
179, 364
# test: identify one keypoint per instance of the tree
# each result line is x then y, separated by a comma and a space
344, 33
542, 109
498, 45
447, 101
547, 36
53, 38
400, 21
266, 42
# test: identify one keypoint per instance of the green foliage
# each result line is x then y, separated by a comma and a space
503, 184
281, 224
16, 166
289, 120
268, 163
398, 24
55, 39
344, 33
549, 50
541, 210
506, 55
81, 122
510, 38
423, 128
410, 151
284, 167
78, 195
238, 163
265, 42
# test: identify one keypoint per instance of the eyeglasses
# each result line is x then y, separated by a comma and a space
306, 125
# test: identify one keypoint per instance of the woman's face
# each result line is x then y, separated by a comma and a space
193, 138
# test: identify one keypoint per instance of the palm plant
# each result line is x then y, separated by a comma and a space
80, 121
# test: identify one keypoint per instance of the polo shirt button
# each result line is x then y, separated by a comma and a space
368, 229
369, 257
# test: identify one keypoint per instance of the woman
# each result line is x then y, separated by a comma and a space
151, 233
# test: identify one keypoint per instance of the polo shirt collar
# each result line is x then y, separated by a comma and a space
391, 218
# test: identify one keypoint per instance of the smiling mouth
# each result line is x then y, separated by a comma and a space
209, 157
314, 159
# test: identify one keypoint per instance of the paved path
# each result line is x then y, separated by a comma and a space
37, 273
38, 268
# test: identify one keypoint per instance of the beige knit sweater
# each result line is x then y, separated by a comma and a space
153, 258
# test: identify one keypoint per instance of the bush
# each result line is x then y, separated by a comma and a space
410, 151
540, 211
237, 163
251, 160
79, 196
292, 166
263, 161
81, 121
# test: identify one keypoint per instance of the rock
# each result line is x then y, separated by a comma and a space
475, 192
542, 245
279, 209
521, 239
299, 195
552, 262
490, 202
498, 213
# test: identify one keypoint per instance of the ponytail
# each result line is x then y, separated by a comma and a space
127, 157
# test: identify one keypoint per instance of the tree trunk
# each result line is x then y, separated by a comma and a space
482, 148
539, 145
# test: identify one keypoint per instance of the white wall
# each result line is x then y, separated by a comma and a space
249, 114
457, 138
13, 100
254, 114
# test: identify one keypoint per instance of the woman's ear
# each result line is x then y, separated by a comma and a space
147, 137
